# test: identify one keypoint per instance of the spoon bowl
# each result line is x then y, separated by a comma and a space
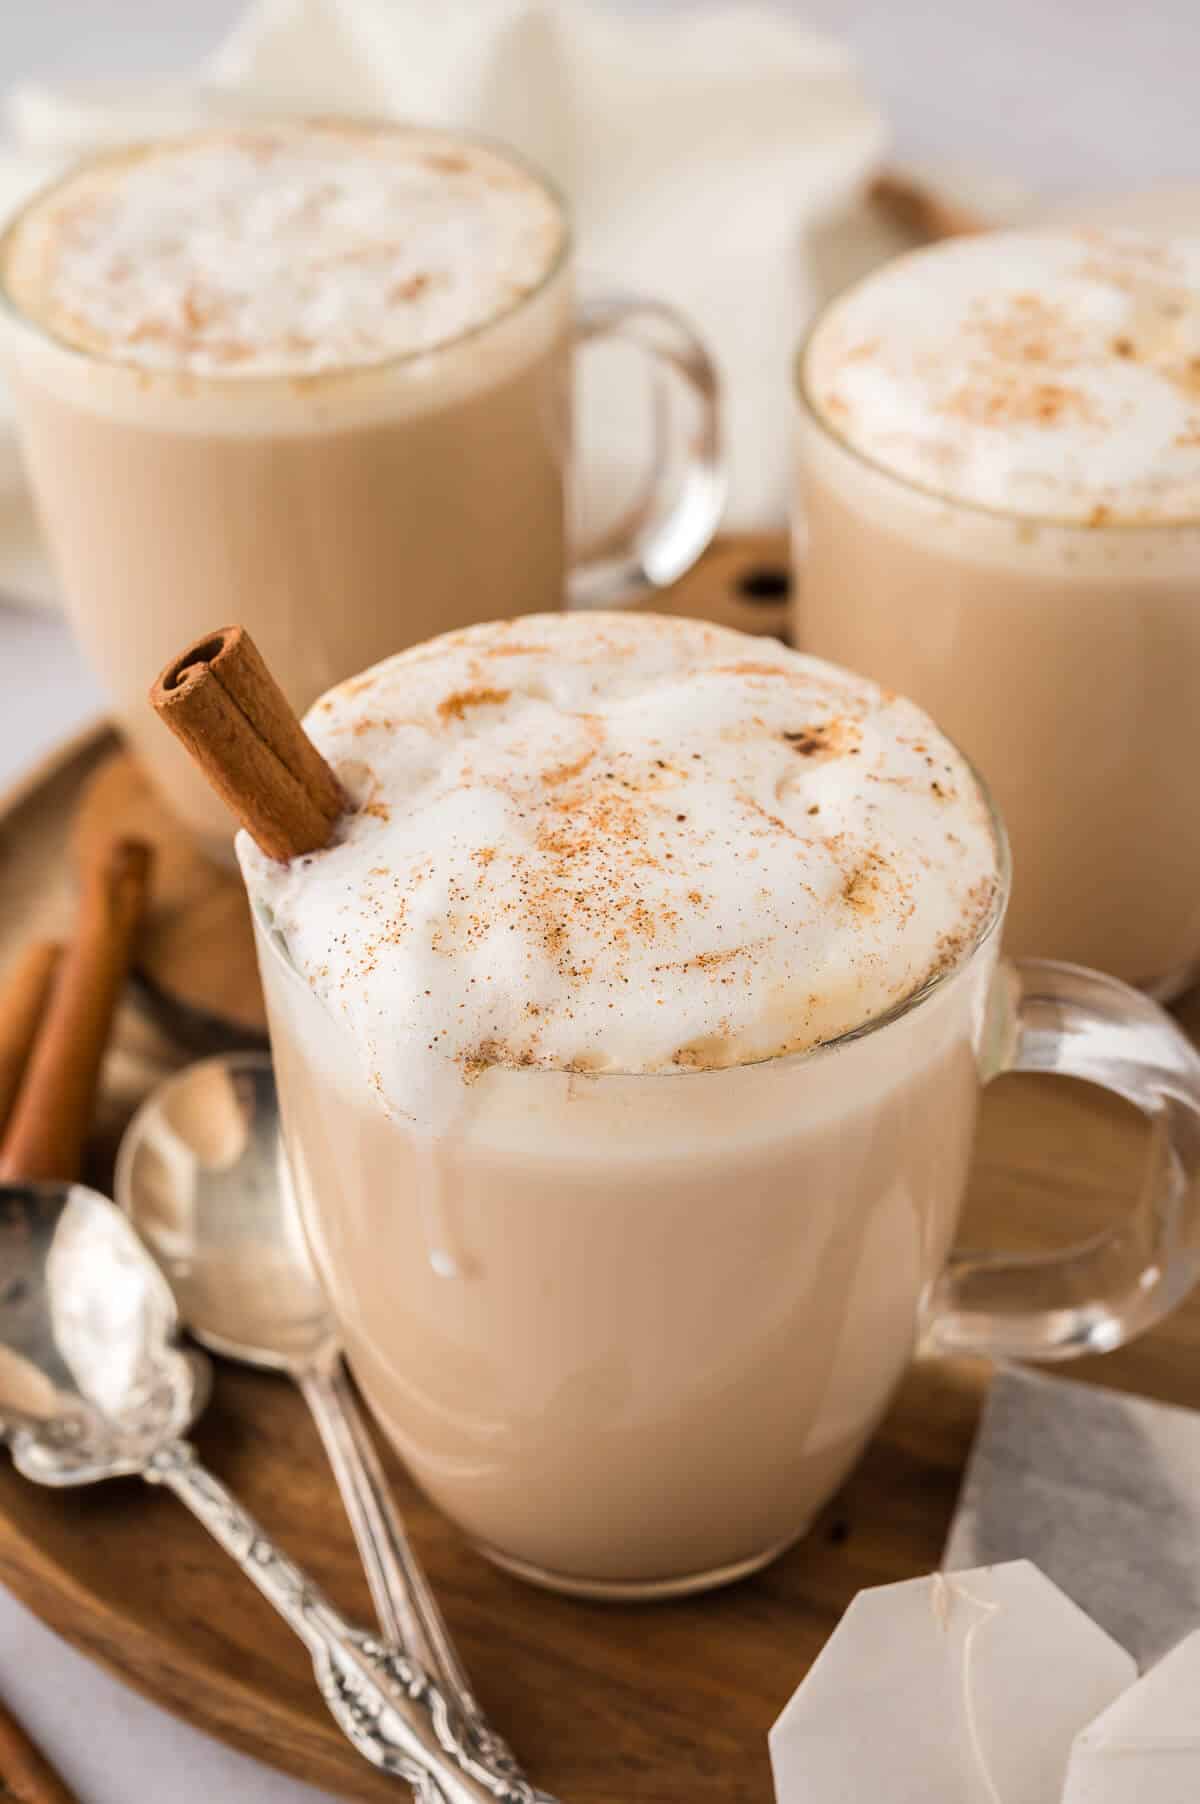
202, 1175
92, 1386
91, 1381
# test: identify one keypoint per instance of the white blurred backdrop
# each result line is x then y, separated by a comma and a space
1062, 96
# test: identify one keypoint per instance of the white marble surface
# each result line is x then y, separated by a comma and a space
1063, 99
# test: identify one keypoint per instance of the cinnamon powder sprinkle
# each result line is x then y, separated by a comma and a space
455, 706
447, 162
1014, 403
808, 741
607, 859
835, 738
410, 290
562, 773
993, 369
864, 885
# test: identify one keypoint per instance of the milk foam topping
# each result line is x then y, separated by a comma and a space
623, 843
283, 249
1048, 374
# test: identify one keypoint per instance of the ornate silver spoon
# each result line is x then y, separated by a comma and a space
202, 1175
93, 1386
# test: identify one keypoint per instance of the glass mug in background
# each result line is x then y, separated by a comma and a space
631, 1332
343, 514
1062, 654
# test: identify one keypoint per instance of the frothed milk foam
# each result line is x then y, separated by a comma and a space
626, 1265
311, 376
283, 251
1054, 376
1001, 517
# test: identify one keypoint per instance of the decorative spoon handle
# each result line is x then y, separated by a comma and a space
385, 1704
408, 1611
382, 1543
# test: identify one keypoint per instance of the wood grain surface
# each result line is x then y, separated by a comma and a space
606, 1704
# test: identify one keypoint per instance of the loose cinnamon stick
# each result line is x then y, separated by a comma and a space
221, 701
26, 1776
53, 1109
922, 212
22, 1004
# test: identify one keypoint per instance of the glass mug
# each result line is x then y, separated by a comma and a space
1063, 657
347, 514
631, 1332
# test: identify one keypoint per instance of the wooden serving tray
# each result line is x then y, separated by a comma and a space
606, 1704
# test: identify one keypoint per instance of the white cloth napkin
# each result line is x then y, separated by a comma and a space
696, 151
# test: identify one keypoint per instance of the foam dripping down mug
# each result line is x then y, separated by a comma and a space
630, 1043
316, 377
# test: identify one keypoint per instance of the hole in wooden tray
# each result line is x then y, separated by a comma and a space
765, 582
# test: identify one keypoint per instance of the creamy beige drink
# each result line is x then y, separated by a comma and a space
313, 377
628, 1225
1000, 516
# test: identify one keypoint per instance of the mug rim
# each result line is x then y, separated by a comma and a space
938, 979
299, 379
815, 416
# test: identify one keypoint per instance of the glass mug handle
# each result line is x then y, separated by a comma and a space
660, 535
1088, 1298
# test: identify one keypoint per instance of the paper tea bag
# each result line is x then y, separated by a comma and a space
1101, 1491
963, 1688
1145, 1748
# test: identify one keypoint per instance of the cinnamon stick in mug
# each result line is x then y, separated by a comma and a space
53, 1108
22, 1004
221, 701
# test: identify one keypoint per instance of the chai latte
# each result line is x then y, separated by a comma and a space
1000, 516
311, 377
626, 1221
